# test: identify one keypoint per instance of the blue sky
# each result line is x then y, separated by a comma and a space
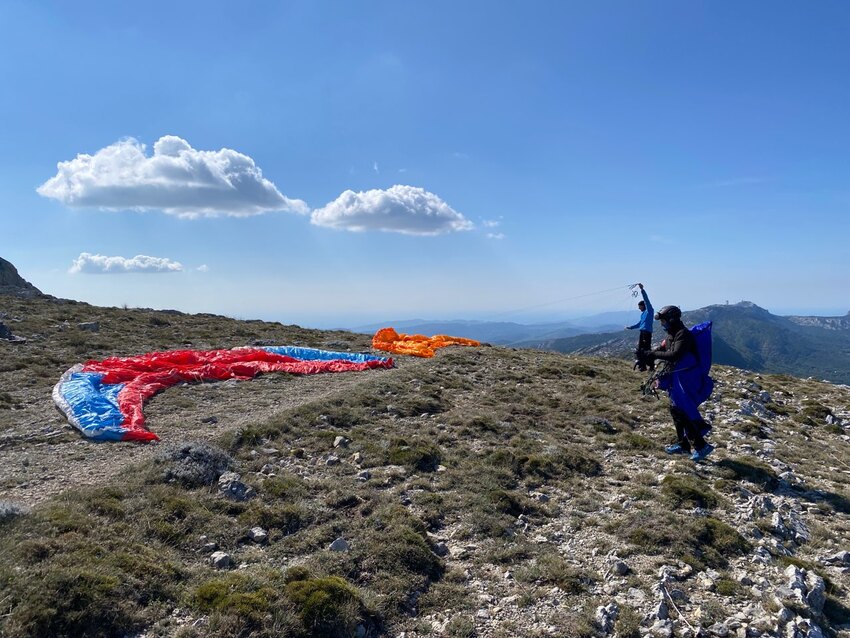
336, 163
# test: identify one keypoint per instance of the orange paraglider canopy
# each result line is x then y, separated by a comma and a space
389, 340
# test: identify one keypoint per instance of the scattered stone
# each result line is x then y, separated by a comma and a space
816, 594
340, 545
661, 611
341, 441
606, 617
332, 460
210, 420
231, 486
208, 548
90, 326
763, 624
357, 458
620, 568
268, 469
662, 629
194, 464
755, 408
441, 549
364, 475
221, 560
719, 629
10, 510
839, 558
785, 615
258, 535
677, 594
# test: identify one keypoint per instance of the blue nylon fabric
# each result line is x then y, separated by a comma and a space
313, 354
94, 405
689, 384
702, 335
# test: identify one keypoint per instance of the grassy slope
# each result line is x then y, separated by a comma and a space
459, 448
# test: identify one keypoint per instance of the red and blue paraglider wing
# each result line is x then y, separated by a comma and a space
104, 399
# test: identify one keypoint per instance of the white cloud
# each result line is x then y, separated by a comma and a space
176, 179
402, 209
101, 264
203, 268
495, 235
490, 223
375, 168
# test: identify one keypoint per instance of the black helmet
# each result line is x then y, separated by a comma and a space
668, 314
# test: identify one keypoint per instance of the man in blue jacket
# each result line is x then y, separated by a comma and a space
645, 326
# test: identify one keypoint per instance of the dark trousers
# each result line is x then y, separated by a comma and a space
687, 431
645, 343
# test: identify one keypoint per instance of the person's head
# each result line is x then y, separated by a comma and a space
670, 318
641, 305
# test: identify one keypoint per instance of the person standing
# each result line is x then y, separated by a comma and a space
644, 324
685, 383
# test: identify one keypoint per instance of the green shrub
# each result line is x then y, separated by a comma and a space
506, 502
326, 606
287, 518
687, 490
418, 454
749, 470
565, 462
236, 595
727, 587
700, 542
633, 441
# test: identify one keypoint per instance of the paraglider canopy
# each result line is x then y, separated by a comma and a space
104, 399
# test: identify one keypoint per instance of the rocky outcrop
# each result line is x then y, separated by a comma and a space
11, 283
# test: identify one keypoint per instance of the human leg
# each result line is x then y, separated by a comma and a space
680, 421
644, 344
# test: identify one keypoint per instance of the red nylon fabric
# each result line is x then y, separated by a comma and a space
146, 375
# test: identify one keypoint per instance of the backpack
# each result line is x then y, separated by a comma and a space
702, 336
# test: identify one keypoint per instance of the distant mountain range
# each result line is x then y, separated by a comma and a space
505, 333
745, 336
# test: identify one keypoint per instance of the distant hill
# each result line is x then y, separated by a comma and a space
746, 336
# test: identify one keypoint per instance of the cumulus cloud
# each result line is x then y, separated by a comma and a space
491, 223
495, 235
401, 209
90, 264
177, 179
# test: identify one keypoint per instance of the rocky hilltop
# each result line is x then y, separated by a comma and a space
490, 492
11, 283
828, 323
